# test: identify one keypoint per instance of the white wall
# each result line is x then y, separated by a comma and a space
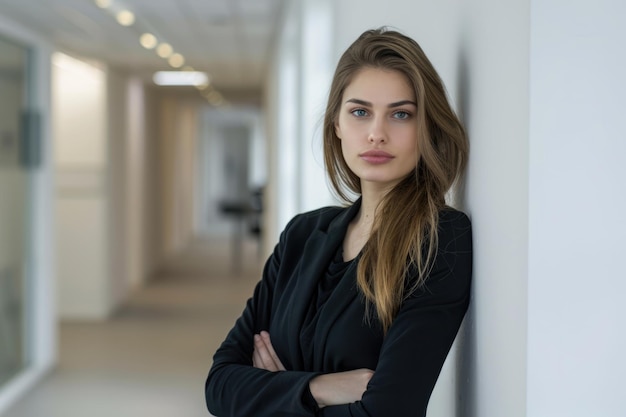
296, 91
317, 65
151, 228
80, 157
493, 96
117, 252
178, 133
136, 145
576, 340
100, 145
286, 174
127, 144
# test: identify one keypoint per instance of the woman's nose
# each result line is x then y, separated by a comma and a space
377, 132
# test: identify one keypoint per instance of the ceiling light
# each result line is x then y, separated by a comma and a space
176, 60
180, 78
164, 50
103, 4
125, 18
148, 40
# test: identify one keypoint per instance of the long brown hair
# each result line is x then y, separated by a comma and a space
414, 203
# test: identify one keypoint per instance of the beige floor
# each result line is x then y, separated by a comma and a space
152, 357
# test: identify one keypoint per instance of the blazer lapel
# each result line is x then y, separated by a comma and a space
319, 249
344, 293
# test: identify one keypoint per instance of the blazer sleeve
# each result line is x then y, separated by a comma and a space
234, 387
422, 333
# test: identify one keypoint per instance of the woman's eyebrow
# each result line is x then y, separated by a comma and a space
390, 105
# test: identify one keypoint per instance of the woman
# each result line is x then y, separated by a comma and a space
358, 306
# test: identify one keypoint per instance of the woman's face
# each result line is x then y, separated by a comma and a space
377, 127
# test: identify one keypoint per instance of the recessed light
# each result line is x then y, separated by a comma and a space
103, 4
125, 18
176, 60
180, 78
164, 50
148, 40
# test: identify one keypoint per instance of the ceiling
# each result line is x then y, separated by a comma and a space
229, 39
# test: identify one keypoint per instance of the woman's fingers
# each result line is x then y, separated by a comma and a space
265, 336
264, 355
256, 359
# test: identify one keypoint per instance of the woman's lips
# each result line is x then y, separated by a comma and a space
376, 157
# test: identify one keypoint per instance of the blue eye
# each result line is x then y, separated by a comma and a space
359, 112
401, 115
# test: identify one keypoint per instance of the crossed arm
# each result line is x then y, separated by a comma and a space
247, 377
327, 389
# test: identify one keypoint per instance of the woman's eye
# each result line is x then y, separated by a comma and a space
359, 112
402, 115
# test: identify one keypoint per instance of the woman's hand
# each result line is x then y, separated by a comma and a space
328, 389
340, 387
264, 356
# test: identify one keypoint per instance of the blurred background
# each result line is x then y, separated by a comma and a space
152, 151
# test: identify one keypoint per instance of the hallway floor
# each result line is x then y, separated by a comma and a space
152, 357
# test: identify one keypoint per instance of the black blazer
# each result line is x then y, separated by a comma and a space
406, 361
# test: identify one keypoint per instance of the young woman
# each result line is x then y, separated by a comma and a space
358, 306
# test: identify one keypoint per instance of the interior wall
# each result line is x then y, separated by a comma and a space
316, 70
178, 131
117, 183
151, 215
136, 148
576, 345
270, 115
100, 146
286, 174
295, 97
493, 90
79, 103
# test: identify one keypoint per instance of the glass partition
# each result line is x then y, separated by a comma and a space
16, 132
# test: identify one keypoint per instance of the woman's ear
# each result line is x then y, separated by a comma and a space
337, 129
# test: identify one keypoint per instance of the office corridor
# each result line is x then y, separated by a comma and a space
152, 357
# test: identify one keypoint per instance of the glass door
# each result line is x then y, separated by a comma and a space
15, 165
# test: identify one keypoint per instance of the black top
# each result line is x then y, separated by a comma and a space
335, 272
312, 336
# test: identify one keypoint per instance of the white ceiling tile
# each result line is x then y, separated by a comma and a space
229, 38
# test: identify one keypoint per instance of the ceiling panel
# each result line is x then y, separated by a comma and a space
228, 38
